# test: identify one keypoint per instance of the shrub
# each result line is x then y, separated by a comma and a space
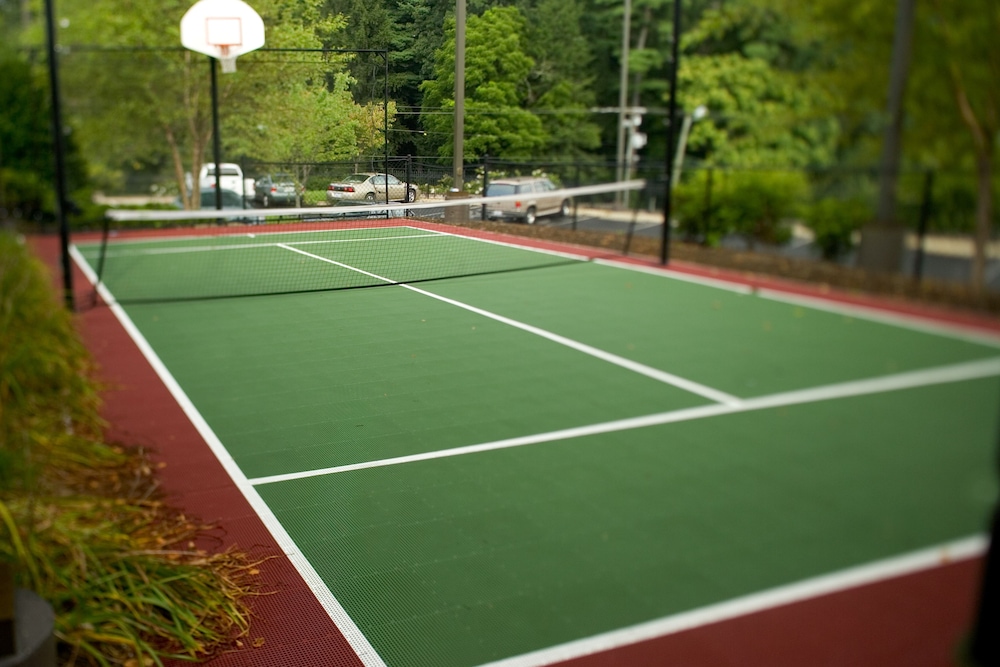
696, 205
834, 222
754, 204
758, 204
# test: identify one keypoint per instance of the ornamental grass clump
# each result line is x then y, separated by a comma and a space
127, 576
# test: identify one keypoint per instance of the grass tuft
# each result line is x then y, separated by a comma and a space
79, 517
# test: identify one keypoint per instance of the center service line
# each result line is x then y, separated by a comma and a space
971, 370
650, 372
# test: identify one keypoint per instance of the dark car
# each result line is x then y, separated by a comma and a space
276, 190
230, 200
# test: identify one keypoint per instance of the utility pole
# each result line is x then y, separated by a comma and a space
623, 94
458, 163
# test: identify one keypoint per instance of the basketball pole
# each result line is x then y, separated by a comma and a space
216, 140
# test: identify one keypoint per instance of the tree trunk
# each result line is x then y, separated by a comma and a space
882, 241
175, 155
984, 217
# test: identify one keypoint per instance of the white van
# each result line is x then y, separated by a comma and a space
230, 177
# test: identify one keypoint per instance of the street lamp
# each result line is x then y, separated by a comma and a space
689, 119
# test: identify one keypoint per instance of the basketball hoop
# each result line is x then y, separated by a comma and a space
228, 63
222, 29
225, 33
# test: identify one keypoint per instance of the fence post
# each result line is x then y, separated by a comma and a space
576, 183
706, 219
409, 180
926, 205
486, 182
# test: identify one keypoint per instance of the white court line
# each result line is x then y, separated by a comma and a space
259, 231
714, 613
634, 366
970, 370
243, 246
359, 643
870, 573
508, 244
858, 311
873, 314
739, 288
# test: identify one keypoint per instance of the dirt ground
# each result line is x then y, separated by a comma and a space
817, 273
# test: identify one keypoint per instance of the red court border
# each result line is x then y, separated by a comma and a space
917, 619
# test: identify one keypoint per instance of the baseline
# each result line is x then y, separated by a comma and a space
244, 246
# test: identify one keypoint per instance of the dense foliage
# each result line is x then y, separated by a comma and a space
785, 85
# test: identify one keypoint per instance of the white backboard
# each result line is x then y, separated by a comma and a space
223, 29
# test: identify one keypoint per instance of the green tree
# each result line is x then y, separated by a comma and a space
496, 74
558, 91
951, 106
368, 26
27, 167
758, 115
970, 63
152, 105
742, 64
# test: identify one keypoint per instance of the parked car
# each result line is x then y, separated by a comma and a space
230, 177
276, 190
230, 200
538, 199
370, 187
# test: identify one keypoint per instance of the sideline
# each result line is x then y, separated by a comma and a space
359, 643
870, 573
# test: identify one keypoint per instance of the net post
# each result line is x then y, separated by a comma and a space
105, 233
926, 206
576, 183
409, 178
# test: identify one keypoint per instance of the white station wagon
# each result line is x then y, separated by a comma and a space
538, 198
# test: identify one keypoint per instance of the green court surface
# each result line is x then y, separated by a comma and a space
484, 467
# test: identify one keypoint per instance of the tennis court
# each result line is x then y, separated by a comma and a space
549, 455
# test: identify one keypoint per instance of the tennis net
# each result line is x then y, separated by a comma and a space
149, 256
